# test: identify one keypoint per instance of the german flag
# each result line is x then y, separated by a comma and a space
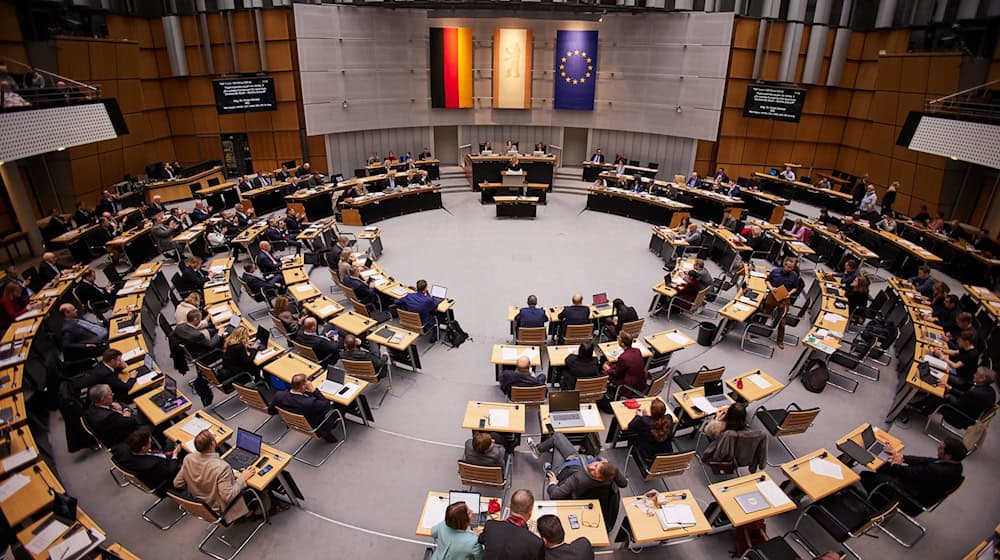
451, 68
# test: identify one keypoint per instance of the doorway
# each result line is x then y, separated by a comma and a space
236, 155
446, 144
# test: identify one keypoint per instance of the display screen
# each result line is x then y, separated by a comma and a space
774, 102
244, 95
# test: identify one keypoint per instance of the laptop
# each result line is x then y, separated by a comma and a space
871, 444
473, 501
439, 293
564, 409
601, 301
247, 450
713, 394
167, 398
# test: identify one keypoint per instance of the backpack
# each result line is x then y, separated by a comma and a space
455, 336
814, 376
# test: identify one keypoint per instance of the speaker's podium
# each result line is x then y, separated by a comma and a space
516, 206
513, 179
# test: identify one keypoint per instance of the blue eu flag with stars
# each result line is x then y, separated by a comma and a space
576, 70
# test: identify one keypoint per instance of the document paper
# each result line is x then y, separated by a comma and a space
772, 493
825, 468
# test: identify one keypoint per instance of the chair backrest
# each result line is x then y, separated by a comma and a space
208, 373
534, 336
673, 464
475, 475
578, 334
296, 422
703, 376
196, 508
633, 327
528, 395
797, 421
251, 396
305, 351
359, 308
592, 389
362, 369
410, 321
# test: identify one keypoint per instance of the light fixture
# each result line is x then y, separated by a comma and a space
344, 104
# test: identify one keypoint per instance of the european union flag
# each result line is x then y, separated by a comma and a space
576, 69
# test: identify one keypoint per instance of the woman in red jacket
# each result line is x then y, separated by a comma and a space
629, 369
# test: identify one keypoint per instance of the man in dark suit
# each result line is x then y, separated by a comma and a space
269, 286
197, 341
192, 278
107, 371
970, 405
327, 351
927, 479
303, 399
366, 294
554, 538
520, 377
79, 336
90, 293
47, 271
155, 469
531, 316
576, 314
354, 351
110, 422
268, 264
510, 539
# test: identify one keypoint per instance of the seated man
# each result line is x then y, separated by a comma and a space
268, 286
355, 351
483, 451
81, 338
209, 478
576, 314
268, 264
520, 377
421, 302
156, 469
971, 404
927, 479
327, 350
302, 398
554, 538
573, 475
510, 539
107, 372
531, 316
110, 421
198, 342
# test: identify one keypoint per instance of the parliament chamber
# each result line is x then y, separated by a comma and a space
734, 267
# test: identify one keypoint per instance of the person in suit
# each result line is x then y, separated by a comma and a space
628, 370
202, 211
573, 475
79, 336
522, 376
110, 421
197, 341
302, 398
554, 539
108, 371
420, 301
531, 316
208, 478
48, 270
156, 207
510, 538
156, 469
425, 154
268, 264
327, 350
581, 365
238, 354
163, 233
970, 405
256, 283
576, 314
242, 215
192, 278
108, 203
83, 215
354, 351
928, 479
364, 290
453, 538
482, 450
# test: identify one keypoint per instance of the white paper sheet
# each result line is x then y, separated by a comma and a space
196, 425
499, 417
772, 493
591, 416
42, 540
823, 467
703, 404
12, 485
18, 459
758, 380
434, 512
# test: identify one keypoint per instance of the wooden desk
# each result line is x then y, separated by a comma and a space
686, 402
891, 443
34, 496
425, 523
588, 512
725, 494
157, 415
183, 188
818, 486
288, 365
353, 323
177, 434
591, 415
477, 411
750, 391
646, 528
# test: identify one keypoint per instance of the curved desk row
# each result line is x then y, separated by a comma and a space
652, 209
373, 207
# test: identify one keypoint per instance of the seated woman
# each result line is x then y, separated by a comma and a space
237, 354
287, 313
191, 302
653, 429
579, 366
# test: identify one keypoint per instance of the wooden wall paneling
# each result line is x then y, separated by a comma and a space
261, 145
130, 98
86, 173
74, 61
914, 73
889, 68
279, 55
112, 167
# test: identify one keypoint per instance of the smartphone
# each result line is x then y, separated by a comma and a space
264, 471
574, 523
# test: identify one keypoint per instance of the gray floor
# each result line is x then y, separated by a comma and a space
368, 497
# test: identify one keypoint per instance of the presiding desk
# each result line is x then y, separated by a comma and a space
373, 207
488, 169
184, 188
